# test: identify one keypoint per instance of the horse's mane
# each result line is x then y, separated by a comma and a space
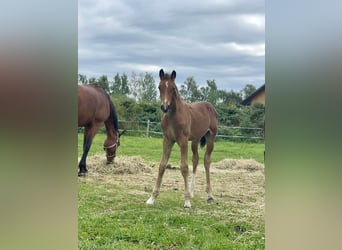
95, 85
113, 115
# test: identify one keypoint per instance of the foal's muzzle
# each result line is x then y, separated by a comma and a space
164, 108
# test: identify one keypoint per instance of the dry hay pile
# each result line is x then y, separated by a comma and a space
241, 184
122, 165
130, 165
136, 164
250, 165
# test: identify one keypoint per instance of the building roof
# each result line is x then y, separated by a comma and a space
249, 99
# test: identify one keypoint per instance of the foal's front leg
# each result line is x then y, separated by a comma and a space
167, 146
183, 144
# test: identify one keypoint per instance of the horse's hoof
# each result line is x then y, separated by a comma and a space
82, 174
211, 200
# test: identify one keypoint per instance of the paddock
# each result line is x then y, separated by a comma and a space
237, 182
111, 199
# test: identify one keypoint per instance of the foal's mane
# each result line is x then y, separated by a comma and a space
167, 76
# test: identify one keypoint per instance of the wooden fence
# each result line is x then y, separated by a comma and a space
153, 129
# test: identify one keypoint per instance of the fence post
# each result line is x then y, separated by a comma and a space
148, 128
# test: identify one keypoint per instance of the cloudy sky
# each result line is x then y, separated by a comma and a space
221, 40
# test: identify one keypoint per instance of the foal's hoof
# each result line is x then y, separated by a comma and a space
82, 174
211, 200
187, 208
150, 201
187, 205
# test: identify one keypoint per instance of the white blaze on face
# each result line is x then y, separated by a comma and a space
166, 101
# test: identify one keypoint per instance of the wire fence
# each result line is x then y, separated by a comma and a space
153, 129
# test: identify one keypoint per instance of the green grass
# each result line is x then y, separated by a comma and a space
151, 149
109, 218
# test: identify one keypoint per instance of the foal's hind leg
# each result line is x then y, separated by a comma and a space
194, 148
210, 146
167, 146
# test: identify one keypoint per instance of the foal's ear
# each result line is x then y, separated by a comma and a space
122, 132
161, 74
173, 75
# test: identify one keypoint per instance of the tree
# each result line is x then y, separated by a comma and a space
92, 80
103, 82
120, 85
149, 92
257, 115
115, 88
189, 90
134, 86
82, 79
143, 87
228, 115
248, 90
204, 93
230, 98
124, 90
213, 94
253, 116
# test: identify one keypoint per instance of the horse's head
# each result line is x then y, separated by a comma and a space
111, 145
167, 89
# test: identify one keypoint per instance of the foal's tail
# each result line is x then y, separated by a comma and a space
213, 126
204, 140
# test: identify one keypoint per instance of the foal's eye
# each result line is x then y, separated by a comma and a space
158, 87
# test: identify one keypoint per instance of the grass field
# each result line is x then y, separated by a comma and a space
151, 149
113, 214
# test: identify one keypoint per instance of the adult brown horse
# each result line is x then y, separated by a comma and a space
183, 122
94, 109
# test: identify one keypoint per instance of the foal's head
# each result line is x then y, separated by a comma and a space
167, 89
